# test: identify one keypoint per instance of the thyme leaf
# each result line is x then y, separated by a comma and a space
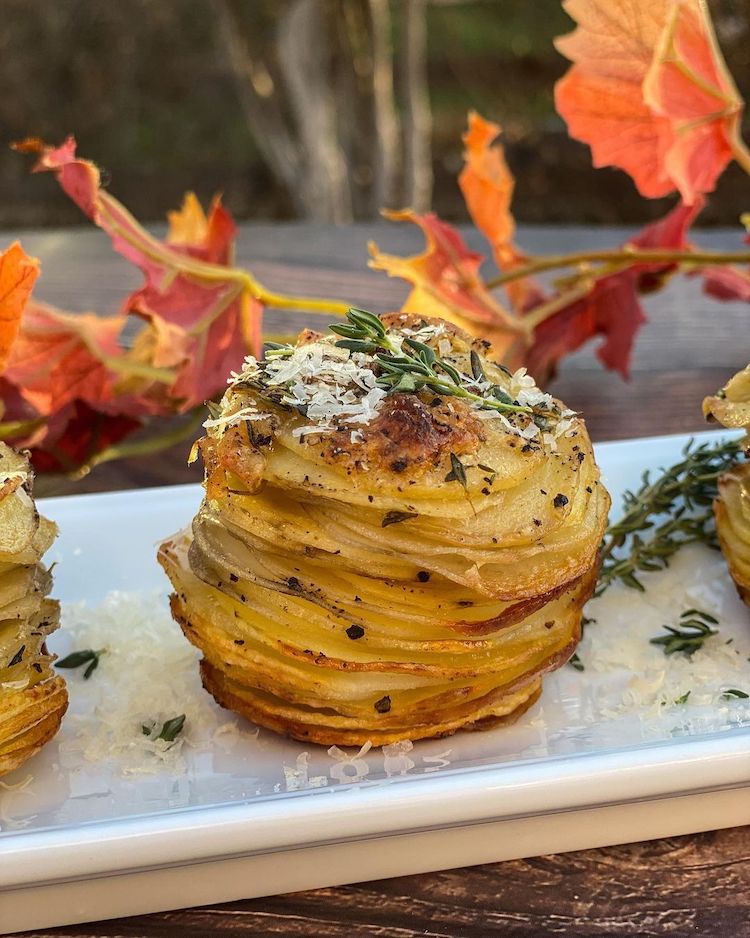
169, 730
86, 656
172, 728
458, 471
687, 637
476, 367
682, 496
733, 692
396, 517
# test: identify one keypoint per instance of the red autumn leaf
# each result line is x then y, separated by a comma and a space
650, 93
612, 308
669, 233
726, 283
58, 389
187, 285
18, 273
75, 435
487, 185
446, 283
59, 358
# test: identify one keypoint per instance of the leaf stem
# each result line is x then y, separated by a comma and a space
204, 270
621, 257
152, 444
14, 428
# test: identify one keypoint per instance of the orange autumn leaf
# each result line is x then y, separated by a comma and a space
650, 93
689, 84
487, 185
187, 224
58, 387
18, 272
59, 357
208, 237
446, 283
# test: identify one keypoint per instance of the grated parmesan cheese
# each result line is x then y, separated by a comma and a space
335, 386
148, 672
13, 474
630, 676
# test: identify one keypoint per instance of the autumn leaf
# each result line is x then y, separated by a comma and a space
73, 389
186, 283
446, 283
18, 272
612, 308
726, 283
210, 238
650, 93
60, 357
76, 435
487, 185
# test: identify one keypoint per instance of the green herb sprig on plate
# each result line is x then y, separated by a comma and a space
687, 637
682, 495
77, 659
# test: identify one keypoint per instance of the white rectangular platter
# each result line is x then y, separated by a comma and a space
85, 837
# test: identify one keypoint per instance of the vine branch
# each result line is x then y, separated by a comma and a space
622, 257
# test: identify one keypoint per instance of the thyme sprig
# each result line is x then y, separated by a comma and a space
689, 635
682, 495
88, 656
415, 366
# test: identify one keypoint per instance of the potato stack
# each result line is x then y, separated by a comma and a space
731, 407
33, 699
386, 549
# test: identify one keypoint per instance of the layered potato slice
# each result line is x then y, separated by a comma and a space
371, 563
732, 513
33, 699
730, 406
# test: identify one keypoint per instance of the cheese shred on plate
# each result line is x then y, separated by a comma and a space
629, 676
146, 676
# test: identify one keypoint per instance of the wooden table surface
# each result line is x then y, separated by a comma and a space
696, 885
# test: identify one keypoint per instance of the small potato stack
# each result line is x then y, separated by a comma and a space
397, 538
33, 699
731, 407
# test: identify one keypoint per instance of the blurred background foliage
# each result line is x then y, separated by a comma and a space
324, 109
